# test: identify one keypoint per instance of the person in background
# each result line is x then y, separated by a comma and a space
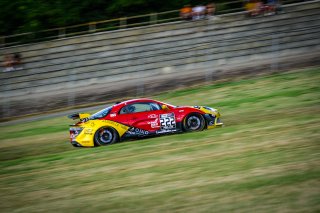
210, 10
8, 63
17, 61
198, 12
249, 6
259, 7
278, 6
270, 7
12, 62
186, 12
254, 7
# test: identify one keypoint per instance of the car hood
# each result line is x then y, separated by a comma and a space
205, 109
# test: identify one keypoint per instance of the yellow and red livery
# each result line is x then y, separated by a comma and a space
139, 118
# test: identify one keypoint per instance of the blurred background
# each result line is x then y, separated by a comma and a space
66, 54
256, 61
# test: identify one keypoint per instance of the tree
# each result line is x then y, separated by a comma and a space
33, 15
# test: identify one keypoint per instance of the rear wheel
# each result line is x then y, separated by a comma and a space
105, 136
193, 122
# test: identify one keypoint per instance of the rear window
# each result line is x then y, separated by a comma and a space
101, 113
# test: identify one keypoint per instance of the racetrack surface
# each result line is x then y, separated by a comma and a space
265, 159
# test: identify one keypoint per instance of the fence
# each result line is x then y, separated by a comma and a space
142, 61
114, 24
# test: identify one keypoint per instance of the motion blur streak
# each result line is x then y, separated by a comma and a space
262, 73
143, 61
265, 158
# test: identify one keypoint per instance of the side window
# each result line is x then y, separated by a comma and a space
139, 107
126, 110
155, 106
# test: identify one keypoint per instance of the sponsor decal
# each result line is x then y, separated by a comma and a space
113, 115
115, 124
163, 131
181, 110
152, 116
111, 123
154, 124
167, 121
85, 142
137, 131
88, 131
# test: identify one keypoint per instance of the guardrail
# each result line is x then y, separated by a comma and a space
114, 24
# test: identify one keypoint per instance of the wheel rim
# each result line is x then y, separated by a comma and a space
105, 136
194, 122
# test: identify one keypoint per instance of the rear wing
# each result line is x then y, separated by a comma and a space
74, 116
80, 116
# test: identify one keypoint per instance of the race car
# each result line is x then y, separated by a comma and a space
139, 118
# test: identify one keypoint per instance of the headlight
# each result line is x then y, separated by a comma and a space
211, 109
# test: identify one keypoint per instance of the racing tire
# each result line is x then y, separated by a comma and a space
105, 136
193, 122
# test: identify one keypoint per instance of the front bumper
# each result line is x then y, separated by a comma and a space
213, 121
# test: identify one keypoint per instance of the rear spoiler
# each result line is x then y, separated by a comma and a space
80, 116
74, 116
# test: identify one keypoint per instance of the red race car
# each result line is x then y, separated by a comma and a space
139, 118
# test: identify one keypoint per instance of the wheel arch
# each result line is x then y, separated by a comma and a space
194, 113
114, 131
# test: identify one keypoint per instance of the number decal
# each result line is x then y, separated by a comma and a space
167, 121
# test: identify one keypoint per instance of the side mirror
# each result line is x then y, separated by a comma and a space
165, 107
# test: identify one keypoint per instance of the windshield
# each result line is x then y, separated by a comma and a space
101, 113
169, 105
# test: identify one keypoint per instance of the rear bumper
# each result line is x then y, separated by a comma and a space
75, 144
74, 132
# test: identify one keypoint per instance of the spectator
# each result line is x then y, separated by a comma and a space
8, 63
17, 61
185, 12
269, 8
249, 6
12, 62
259, 7
254, 7
198, 12
272, 7
210, 10
277, 6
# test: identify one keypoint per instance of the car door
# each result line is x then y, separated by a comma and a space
143, 116
149, 118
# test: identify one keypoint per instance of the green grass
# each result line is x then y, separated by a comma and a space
265, 159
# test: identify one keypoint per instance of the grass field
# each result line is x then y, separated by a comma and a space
265, 159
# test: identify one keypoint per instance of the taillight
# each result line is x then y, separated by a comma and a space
74, 132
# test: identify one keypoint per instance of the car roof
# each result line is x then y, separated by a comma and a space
136, 100
116, 107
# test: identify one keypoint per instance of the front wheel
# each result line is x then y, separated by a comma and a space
105, 136
193, 122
